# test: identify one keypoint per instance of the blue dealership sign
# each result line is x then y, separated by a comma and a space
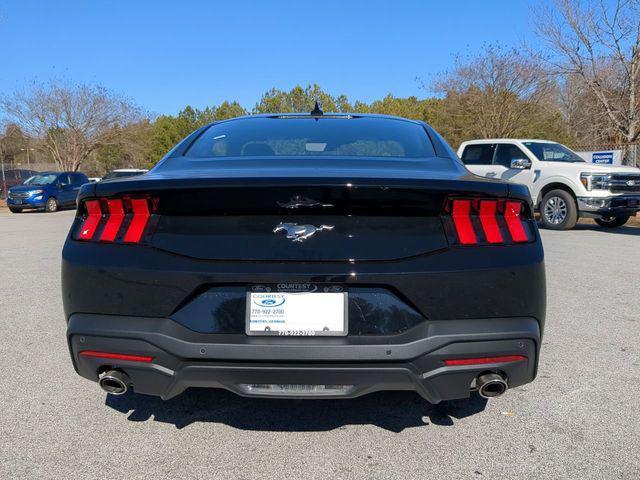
602, 157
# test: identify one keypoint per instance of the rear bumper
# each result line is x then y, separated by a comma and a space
412, 360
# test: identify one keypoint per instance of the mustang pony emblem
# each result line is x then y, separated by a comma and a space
300, 232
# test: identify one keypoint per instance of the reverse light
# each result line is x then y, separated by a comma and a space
118, 220
480, 221
116, 356
484, 360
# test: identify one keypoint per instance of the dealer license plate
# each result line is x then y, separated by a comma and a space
315, 313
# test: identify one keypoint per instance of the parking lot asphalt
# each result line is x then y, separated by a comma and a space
579, 419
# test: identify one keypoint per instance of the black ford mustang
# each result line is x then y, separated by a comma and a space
306, 255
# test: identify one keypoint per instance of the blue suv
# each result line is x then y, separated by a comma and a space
48, 191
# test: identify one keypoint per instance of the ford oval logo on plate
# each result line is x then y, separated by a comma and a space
269, 300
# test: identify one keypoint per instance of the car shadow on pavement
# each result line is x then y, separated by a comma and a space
393, 411
625, 230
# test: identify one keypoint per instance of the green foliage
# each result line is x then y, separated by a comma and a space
228, 110
456, 115
299, 100
168, 130
410, 107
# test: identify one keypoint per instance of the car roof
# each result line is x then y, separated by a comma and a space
347, 115
494, 140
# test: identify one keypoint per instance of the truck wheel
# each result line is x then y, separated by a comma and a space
51, 205
612, 222
15, 210
558, 210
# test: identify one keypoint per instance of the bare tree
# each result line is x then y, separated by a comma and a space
597, 43
498, 93
71, 120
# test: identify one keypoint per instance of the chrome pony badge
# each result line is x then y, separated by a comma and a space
298, 233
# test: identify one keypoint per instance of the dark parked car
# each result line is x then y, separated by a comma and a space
48, 191
14, 177
306, 255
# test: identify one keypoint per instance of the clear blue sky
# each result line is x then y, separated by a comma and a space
168, 54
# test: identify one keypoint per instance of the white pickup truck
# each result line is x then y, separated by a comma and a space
563, 186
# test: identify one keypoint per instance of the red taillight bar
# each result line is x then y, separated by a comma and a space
484, 360
116, 356
487, 221
139, 221
462, 219
89, 226
514, 224
116, 216
104, 219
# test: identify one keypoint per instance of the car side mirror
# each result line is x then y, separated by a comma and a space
521, 163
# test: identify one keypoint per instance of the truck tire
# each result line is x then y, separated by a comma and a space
558, 210
612, 222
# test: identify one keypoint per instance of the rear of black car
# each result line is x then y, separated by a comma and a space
400, 272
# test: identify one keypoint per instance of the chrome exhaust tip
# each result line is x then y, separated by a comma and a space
491, 385
114, 382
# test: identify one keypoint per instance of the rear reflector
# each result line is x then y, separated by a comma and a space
115, 219
484, 360
488, 221
116, 356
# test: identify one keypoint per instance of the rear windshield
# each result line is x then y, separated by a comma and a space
308, 136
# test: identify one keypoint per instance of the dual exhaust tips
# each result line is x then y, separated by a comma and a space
491, 385
114, 382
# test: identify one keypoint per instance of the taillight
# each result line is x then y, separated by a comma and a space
461, 214
115, 217
126, 219
140, 209
91, 221
483, 221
